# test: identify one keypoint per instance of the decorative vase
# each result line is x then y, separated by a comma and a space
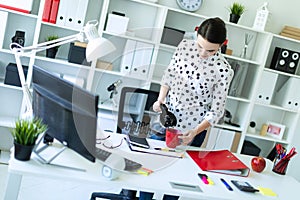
234, 18
23, 152
51, 53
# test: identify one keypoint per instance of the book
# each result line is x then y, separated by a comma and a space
47, 10
219, 161
53, 12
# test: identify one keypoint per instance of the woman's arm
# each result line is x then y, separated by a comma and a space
188, 137
161, 97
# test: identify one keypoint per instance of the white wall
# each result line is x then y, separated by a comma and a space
282, 12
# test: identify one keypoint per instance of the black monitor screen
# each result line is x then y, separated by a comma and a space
69, 111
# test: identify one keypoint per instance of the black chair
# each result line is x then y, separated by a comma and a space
124, 195
134, 116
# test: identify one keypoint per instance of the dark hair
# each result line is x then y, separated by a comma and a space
213, 30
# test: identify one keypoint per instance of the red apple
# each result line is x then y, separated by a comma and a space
258, 164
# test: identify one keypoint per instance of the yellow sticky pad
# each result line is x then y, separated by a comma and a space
267, 191
210, 182
144, 171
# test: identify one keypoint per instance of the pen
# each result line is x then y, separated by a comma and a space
226, 184
165, 149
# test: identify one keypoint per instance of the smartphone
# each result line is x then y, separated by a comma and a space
244, 186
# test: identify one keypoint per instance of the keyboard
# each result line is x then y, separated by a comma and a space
130, 165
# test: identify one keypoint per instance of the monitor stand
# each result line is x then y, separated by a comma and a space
40, 147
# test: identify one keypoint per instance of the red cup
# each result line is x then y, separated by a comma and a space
172, 139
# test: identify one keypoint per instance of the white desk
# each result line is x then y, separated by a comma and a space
180, 171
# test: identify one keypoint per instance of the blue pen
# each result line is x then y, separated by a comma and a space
226, 184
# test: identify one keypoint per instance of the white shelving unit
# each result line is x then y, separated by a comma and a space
141, 28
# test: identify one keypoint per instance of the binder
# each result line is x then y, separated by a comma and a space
54, 10
71, 13
266, 87
62, 12
220, 161
80, 14
127, 57
3, 22
47, 10
286, 96
142, 59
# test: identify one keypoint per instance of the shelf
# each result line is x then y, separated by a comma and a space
277, 107
128, 37
268, 138
62, 62
241, 59
239, 99
286, 38
227, 126
281, 73
8, 122
19, 13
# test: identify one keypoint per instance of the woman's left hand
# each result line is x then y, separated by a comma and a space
188, 137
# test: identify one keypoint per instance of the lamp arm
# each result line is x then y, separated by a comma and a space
45, 45
27, 97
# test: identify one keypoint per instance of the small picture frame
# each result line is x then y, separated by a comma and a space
275, 130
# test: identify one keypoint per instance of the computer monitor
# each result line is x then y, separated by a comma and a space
69, 111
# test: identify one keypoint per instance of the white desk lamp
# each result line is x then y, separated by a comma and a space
97, 47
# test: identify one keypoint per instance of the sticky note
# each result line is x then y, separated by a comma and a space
144, 171
267, 191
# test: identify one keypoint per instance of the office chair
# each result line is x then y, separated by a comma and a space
124, 195
134, 117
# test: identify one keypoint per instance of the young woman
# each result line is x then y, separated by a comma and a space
195, 85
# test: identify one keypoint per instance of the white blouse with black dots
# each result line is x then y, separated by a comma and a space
197, 87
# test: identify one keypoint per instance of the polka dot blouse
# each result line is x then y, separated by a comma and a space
197, 87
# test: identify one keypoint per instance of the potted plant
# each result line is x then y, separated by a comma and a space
25, 134
236, 11
51, 53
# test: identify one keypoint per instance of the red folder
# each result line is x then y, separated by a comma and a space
47, 10
54, 10
220, 161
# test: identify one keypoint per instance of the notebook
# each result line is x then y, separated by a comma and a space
220, 161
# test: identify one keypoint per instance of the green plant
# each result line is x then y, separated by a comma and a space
27, 131
52, 37
237, 9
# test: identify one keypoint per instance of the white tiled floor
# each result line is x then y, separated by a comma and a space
35, 188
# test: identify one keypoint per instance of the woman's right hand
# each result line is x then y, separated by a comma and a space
156, 106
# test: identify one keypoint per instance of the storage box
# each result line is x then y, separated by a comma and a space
288, 96
117, 23
172, 36
77, 53
266, 87
250, 149
12, 75
104, 65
